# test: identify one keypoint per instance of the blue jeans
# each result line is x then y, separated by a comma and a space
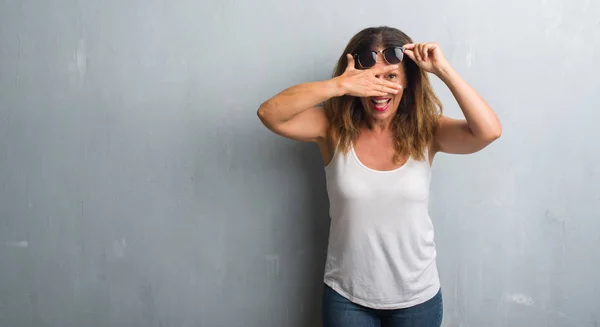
340, 312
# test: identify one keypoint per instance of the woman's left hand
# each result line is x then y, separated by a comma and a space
428, 56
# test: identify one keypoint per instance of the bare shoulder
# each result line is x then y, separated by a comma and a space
316, 127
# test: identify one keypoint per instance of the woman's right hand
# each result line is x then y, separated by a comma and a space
365, 83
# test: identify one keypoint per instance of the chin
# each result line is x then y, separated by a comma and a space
378, 115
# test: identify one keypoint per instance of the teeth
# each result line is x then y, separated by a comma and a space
381, 101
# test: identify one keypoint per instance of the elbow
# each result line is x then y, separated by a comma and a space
493, 134
265, 117
262, 113
497, 131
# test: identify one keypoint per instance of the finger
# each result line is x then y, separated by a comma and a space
425, 52
390, 90
392, 85
396, 86
429, 48
383, 87
422, 52
409, 46
387, 90
418, 52
378, 94
350, 62
410, 54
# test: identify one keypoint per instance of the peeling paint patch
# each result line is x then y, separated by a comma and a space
21, 244
520, 299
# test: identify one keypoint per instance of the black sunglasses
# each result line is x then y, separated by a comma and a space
368, 58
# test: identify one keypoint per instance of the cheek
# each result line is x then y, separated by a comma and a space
398, 97
396, 102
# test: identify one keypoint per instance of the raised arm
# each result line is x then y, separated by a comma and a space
292, 113
481, 125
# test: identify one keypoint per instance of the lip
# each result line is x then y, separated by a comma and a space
384, 108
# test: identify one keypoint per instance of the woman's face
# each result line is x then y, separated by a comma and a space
383, 108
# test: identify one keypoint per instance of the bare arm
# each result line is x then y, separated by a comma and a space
480, 127
292, 112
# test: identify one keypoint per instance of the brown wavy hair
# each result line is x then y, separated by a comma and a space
419, 109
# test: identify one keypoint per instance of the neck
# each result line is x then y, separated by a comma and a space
378, 126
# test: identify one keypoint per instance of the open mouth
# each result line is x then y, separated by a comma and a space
381, 104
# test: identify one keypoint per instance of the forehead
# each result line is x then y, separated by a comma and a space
382, 63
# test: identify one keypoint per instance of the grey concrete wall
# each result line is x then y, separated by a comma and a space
138, 188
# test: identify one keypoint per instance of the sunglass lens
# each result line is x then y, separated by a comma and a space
367, 59
393, 55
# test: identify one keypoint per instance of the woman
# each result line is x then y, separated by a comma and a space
378, 132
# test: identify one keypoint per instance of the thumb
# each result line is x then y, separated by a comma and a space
350, 62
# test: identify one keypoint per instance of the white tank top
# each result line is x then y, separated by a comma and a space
381, 251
